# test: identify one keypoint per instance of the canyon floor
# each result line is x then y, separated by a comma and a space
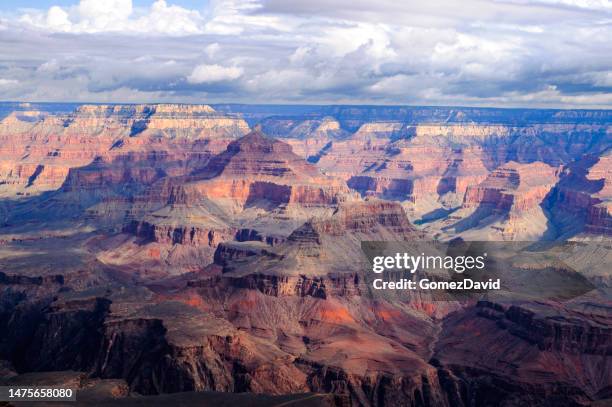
212, 255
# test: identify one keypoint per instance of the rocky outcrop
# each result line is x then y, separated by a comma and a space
431, 165
561, 333
599, 217
186, 235
513, 187
511, 203
367, 217
248, 234
39, 150
581, 199
542, 345
334, 285
330, 245
414, 168
256, 168
218, 202
383, 187
62, 336
235, 251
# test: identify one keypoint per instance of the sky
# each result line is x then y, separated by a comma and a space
506, 53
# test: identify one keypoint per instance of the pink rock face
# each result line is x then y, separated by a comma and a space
513, 187
599, 218
256, 168
584, 193
256, 155
212, 204
415, 168
194, 235
38, 151
425, 162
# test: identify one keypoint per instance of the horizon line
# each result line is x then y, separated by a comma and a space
603, 109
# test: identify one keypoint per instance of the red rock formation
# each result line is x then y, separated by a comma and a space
581, 199
510, 204
256, 168
223, 200
425, 162
531, 347
513, 187
599, 218
417, 168
328, 245
290, 307
38, 151
196, 235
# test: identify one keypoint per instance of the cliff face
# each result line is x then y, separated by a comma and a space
425, 157
169, 249
581, 199
256, 168
533, 339
513, 188
195, 121
39, 150
266, 323
256, 189
599, 218
245, 331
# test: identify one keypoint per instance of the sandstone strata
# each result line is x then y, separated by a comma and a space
39, 150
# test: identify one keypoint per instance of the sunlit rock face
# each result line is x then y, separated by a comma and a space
450, 151
39, 150
113, 160
256, 167
170, 248
514, 187
599, 218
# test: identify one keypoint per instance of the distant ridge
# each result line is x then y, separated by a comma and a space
352, 116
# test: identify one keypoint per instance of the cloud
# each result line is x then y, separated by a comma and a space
172, 19
8, 82
547, 53
94, 16
214, 73
600, 5
108, 15
234, 17
57, 19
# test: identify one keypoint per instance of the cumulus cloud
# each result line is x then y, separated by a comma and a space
214, 73
549, 53
57, 19
94, 16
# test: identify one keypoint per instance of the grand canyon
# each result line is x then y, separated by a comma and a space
188, 254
